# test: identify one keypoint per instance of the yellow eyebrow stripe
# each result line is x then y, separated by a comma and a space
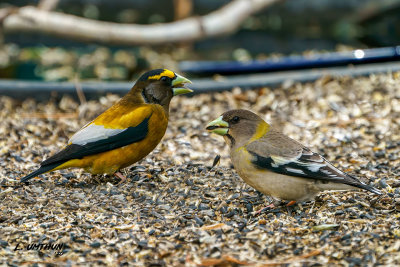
166, 72
262, 129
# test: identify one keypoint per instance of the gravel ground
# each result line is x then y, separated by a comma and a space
174, 209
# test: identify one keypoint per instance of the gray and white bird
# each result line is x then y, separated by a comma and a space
275, 164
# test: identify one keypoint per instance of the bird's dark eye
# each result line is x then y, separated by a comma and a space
164, 78
235, 119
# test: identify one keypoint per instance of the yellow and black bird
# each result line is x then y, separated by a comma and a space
123, 134
275, 164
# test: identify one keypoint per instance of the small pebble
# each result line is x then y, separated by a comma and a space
382, 183
95, 244
3, 243
199, 221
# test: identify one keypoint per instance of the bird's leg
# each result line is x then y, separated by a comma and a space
290, 206
290, 203
120, 176
96, 178
272, 205
268, 207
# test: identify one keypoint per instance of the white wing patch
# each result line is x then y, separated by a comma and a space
307, 160
327, 172
294, 170
283, 161
92, 133
314, 167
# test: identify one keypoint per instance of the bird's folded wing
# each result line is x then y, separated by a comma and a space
93, 139
286, 156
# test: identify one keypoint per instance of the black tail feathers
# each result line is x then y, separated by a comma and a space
39, 171
371, 189
368, 188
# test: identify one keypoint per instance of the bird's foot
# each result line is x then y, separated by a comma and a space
266, 208
290, 203
290, 206
276, 207
120, 176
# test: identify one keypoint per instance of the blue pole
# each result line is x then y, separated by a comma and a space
359, 56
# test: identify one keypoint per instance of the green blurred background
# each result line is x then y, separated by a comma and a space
286, 28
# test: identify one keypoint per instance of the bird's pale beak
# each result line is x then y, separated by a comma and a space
178, 85
218, 126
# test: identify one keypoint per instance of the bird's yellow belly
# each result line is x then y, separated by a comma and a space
111, 161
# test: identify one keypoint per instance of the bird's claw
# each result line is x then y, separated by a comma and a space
120, 176
266, 208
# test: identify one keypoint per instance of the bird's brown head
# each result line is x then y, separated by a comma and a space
159, 86
238, 126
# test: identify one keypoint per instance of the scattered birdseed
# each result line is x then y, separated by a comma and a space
175, 210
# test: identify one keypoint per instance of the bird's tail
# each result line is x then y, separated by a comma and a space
368, 188
371, 189
41, 170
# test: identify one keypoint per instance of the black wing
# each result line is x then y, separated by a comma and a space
307, 164
77, 151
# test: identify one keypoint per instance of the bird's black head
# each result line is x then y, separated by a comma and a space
160, 85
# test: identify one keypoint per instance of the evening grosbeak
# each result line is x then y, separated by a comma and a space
275, 164
123, 134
